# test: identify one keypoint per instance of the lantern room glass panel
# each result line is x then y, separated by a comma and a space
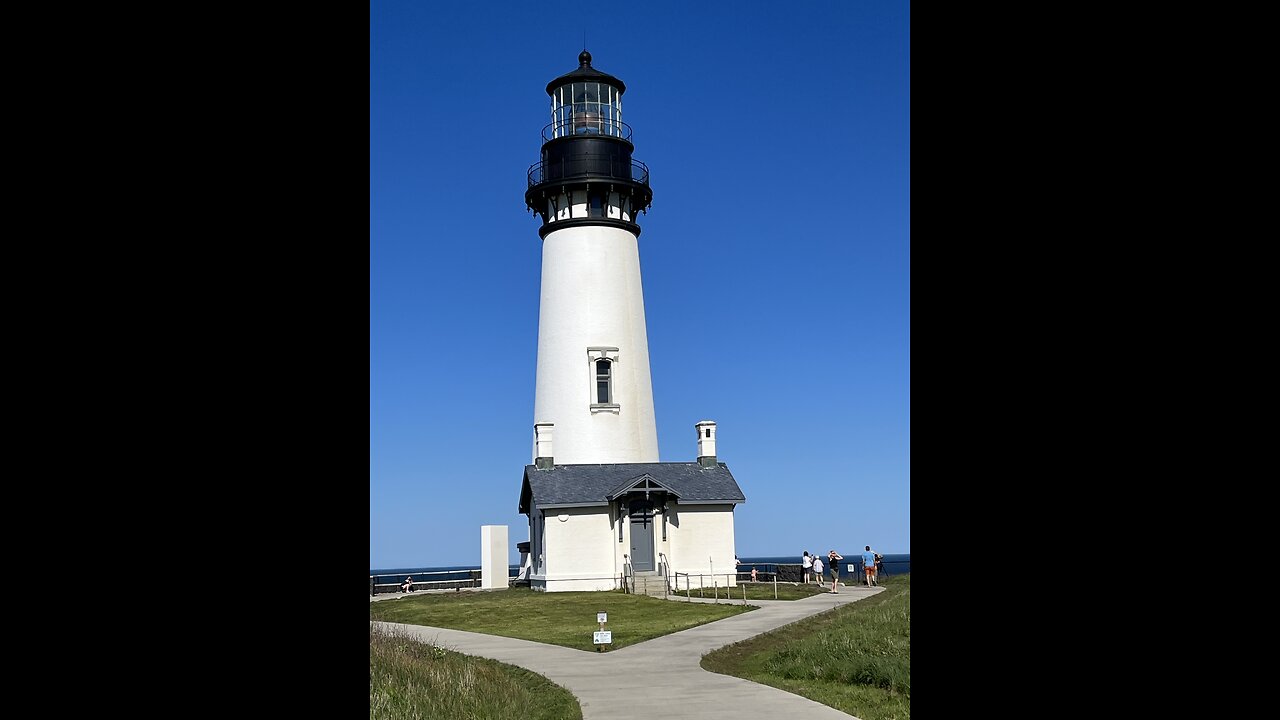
586, 108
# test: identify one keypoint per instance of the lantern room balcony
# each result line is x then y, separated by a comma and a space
587, 123
588, 166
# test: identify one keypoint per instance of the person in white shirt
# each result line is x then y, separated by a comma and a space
817, 568
806, 566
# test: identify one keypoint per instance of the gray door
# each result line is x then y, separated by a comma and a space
642, 537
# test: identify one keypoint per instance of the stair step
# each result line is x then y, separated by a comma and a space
651, 585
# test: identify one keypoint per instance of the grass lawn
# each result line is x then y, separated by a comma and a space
856, 658
566, 619
411, 680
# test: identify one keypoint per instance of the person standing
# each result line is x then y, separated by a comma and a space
806, 566
869, 565
833, 559
817, 569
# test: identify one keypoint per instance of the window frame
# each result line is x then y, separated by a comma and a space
596, 355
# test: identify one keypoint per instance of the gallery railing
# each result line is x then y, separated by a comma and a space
605, 167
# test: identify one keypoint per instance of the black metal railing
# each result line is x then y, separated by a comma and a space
586, 125
436, 580
581, 166
788, 572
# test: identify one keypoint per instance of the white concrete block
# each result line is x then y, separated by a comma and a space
494, 561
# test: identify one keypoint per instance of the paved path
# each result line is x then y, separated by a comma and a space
661, 677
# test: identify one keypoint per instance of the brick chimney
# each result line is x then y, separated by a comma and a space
543, 457
706, 443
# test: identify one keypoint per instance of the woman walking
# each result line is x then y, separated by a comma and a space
833, 559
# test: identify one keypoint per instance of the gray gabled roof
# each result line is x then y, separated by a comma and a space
568, 485
640, 482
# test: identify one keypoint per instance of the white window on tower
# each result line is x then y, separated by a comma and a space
604, 379
603, 364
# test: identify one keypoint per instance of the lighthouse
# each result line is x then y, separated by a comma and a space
593, 388
604, 513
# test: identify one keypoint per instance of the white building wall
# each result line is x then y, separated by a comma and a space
592, 297
703, 544
581, 553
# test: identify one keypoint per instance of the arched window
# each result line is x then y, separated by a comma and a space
604, 381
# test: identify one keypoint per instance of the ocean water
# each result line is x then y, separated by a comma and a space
894, 564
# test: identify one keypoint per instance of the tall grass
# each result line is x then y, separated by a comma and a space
411, 680
856, 658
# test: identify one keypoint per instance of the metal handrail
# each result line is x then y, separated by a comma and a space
582, 126
662, 570
634, 171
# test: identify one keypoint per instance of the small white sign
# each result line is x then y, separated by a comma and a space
602, 617
850, 567
602, 637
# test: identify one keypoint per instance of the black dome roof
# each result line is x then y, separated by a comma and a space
586, 73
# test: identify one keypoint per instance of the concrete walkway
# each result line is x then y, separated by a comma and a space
661, 677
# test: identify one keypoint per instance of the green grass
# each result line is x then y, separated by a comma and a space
411, 680
566, 619
856, 658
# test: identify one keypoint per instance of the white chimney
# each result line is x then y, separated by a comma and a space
543, 457
706, 443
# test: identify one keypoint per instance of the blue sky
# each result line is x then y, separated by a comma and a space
775, 259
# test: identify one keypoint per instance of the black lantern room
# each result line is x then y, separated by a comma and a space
586, 175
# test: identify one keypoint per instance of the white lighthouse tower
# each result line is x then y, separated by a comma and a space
593, 393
